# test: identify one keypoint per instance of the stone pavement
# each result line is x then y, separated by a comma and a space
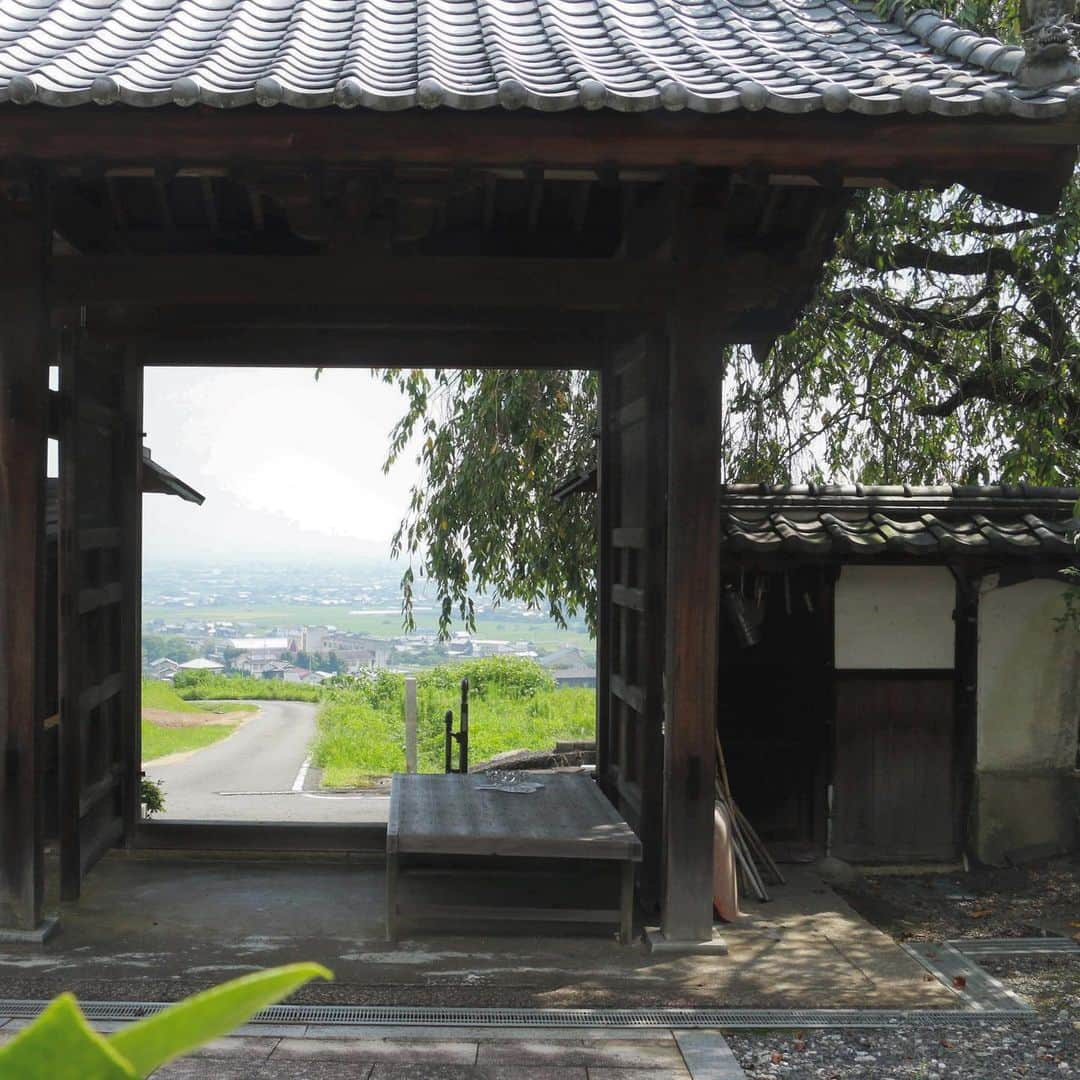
261, 1052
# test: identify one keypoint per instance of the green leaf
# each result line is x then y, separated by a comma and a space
197, 1020
60, 1045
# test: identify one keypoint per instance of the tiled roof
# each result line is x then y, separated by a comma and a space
951, 521
792, 56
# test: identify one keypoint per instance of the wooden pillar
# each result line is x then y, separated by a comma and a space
131, 617
24, 378
693, 604
966, 710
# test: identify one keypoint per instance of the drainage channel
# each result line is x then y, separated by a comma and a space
953, 963
391, 1016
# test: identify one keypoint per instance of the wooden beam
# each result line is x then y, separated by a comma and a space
693, 604
773, 141
329, 347
559, 284
24, 387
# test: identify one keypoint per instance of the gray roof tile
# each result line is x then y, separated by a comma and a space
790, 56
928, 522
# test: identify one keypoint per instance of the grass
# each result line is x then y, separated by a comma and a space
361, 733
238, 687
159, 740
160, 695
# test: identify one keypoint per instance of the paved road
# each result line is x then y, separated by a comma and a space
257, 774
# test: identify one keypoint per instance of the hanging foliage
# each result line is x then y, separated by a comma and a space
942, 346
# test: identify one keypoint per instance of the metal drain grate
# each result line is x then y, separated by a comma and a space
386, 1016
1039, 946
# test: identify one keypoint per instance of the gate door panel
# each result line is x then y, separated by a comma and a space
100, 509
633, 488
894, 782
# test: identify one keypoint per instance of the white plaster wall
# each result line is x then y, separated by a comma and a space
895, 617
1029, 678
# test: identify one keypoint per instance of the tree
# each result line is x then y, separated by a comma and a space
942, 346
493, 444
157, 646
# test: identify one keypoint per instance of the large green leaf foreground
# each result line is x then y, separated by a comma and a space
61, 1045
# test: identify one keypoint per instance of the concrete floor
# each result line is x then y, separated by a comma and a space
157, 928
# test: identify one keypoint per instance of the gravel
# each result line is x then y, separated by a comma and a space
1019, 901
1035, 1048
1022, 902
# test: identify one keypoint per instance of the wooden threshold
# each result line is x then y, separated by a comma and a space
244, 836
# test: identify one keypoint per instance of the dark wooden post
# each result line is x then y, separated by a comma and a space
965, 704
693, 604
131, 609
24, 383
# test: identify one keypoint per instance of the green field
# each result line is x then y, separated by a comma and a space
489, 624
513, 706
158, 740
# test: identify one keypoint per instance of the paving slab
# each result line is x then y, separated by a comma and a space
461, 1072
210, 1069
609, 1052
708, 1056
396, 1051
194, 1069
250, 1048
273, 1031
604, 1073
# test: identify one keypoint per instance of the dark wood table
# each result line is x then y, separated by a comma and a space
450, 814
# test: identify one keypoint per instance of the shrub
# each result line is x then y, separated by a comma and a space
208, 687
514, 705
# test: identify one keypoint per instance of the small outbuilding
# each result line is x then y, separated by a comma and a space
898, 681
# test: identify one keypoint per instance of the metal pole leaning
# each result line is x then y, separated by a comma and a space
463, 730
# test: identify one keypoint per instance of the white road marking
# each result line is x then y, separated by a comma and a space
301, 776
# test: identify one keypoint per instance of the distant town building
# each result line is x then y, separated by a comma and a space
261, 648
569, 657
313, 639
579, 676
256, 654
162, 668
201, 664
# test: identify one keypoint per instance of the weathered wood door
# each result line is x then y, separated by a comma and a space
894, 793
633, 484
100, 515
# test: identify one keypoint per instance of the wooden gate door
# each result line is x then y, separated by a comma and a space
100, 550
633, 485
894, 796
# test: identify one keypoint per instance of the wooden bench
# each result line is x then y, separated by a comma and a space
449, 814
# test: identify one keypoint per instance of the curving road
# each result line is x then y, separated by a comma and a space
258, 774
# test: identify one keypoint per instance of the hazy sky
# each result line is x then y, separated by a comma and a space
289, 466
